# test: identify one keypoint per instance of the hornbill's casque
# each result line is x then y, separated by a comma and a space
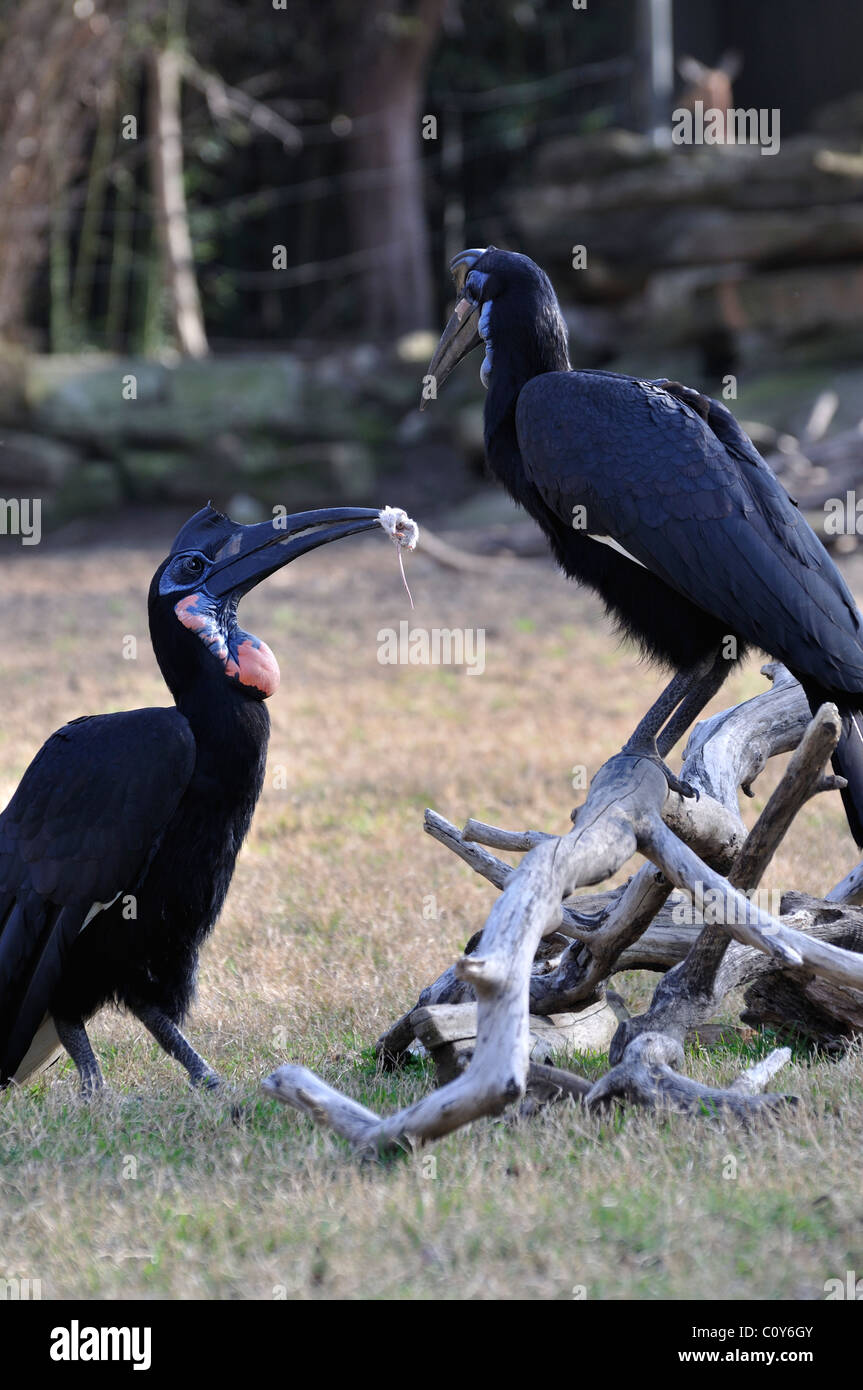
652, 494
118, 847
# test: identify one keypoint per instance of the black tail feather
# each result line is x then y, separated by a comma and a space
848, 763
848, 758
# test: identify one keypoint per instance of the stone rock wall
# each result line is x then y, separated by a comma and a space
94, 432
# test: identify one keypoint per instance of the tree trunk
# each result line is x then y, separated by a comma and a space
381, 94
169, 197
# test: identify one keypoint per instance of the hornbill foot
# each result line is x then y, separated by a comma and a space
169, 1037
91, 1087
73, 1036
637, 748
205, 1081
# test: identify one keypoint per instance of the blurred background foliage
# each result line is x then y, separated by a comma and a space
201, 180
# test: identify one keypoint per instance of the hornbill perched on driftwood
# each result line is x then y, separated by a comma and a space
118, 847
652, 494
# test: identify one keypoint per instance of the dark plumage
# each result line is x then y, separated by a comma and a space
118, 847
714, 547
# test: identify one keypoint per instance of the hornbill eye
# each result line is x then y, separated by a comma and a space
193, 565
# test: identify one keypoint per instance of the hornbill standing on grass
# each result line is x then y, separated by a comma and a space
652, 494
118, 847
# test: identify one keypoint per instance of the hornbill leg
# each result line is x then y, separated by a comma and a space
691, 706
682, 690
73, 1036
169, 1037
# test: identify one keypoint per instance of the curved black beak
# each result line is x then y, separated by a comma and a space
460, 337
254, 552
461, 334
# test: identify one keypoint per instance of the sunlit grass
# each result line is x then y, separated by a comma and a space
326, 938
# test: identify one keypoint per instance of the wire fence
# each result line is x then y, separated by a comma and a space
454, 170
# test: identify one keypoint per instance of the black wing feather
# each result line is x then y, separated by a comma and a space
670, 475
81, 828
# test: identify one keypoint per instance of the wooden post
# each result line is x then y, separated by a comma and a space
654, 69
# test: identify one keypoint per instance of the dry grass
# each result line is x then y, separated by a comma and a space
327, 936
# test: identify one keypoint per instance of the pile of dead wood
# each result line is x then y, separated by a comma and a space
534, 982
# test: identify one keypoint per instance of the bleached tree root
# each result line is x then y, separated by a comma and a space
648, 1076
543, 949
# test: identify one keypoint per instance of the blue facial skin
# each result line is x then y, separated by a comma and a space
473, 288
215, 623
485, 333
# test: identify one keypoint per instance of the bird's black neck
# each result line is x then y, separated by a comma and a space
519, 356
231, 732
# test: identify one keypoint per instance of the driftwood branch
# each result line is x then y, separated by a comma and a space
689, 910
689, 994
647, 1076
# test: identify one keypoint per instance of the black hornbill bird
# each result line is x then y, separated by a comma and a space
653, 495
119, 844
